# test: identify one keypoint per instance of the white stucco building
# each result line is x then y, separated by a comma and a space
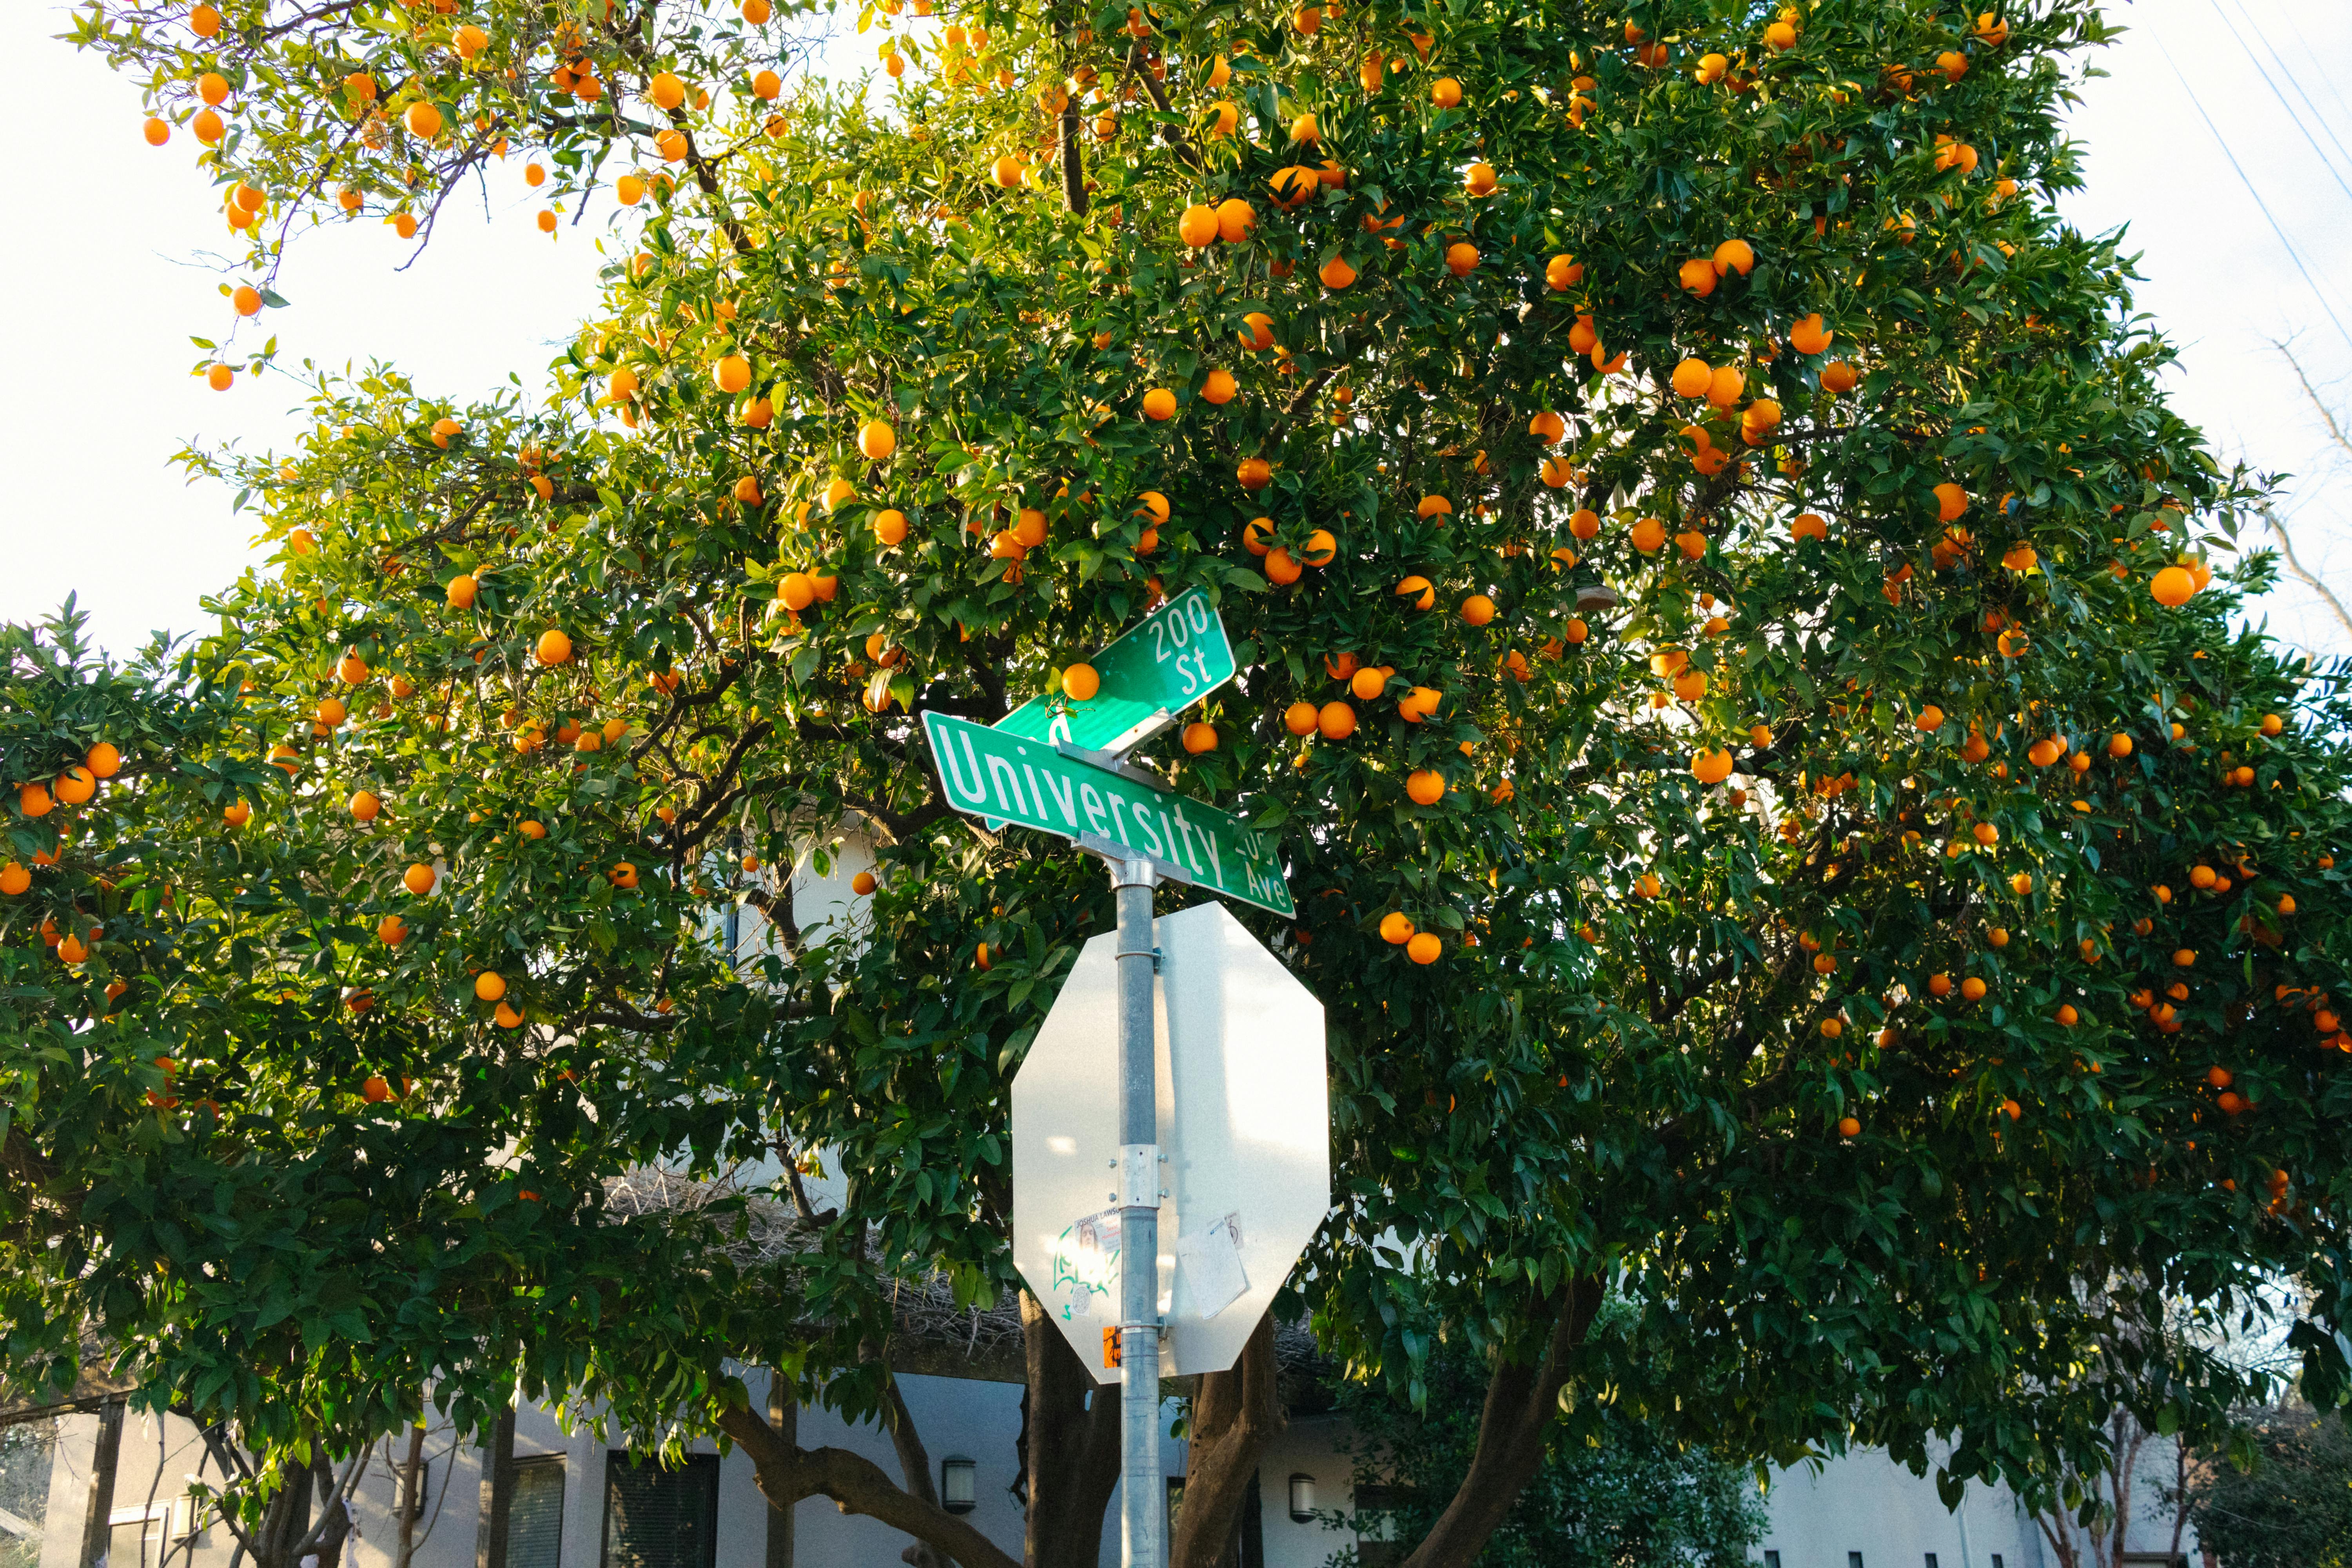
581, 1504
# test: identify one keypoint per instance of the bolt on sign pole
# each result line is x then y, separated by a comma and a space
1142, 1505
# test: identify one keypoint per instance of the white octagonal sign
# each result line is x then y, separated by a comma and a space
1244, 1124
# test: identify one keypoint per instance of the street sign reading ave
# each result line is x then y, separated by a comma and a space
989, 773
1172, 658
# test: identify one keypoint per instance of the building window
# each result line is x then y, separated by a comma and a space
1771, 1560
1853, 1560
1995, 1560
27, 1462
535, 1514
658, 1518
138, 1537
1931, 1560
1379, 1542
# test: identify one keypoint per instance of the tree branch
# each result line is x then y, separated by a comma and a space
1521, 1400
914, 1459
2334, 430
787, 1473
1168, 134
2303, 574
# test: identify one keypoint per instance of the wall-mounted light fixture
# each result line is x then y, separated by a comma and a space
955, 1477
1302, 1498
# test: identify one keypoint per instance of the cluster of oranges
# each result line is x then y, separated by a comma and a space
74, 784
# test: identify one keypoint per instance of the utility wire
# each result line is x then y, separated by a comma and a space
2293, 255
2296, 81
2302, 122
2311, 54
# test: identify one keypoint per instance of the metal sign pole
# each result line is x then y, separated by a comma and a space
1143, 1514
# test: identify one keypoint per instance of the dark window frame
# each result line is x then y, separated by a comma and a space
559, 1465
619, 1462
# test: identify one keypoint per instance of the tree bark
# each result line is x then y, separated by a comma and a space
2060, 1538
411, 1470
327, 1537
914, 1470
787, 1473
1070, 1447
2180, 1496
1233, 1416
2126, 1472
1522, 1398
287, 1519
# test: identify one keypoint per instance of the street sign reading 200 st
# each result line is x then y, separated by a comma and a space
1169, 660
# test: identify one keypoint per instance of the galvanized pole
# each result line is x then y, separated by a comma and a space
1143, 1506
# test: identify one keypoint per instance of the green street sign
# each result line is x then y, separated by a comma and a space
1174, 657
999, 777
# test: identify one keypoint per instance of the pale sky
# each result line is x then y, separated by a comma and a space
110, 283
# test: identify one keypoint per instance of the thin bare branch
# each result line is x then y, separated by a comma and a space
2303, 574
2319, 407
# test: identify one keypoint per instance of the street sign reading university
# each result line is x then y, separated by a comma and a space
1172, 658
988, 772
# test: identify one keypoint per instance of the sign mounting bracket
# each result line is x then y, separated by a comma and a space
1162, 870
1110, 761
1137, 734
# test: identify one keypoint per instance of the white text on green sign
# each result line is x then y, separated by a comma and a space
1167, 661
989, 773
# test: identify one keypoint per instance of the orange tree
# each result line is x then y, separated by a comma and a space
1784, 824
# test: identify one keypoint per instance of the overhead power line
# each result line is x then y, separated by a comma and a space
2302, 122
2276, 227
2309, 53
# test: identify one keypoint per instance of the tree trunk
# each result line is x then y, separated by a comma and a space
287, 1533
2127, 1466
287, 1520
412, 1471
2180, 1496
914, 1469
1233, 1416
326, 1539
787, 1472
2060, 1536
1070, 1447
1522, 1398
